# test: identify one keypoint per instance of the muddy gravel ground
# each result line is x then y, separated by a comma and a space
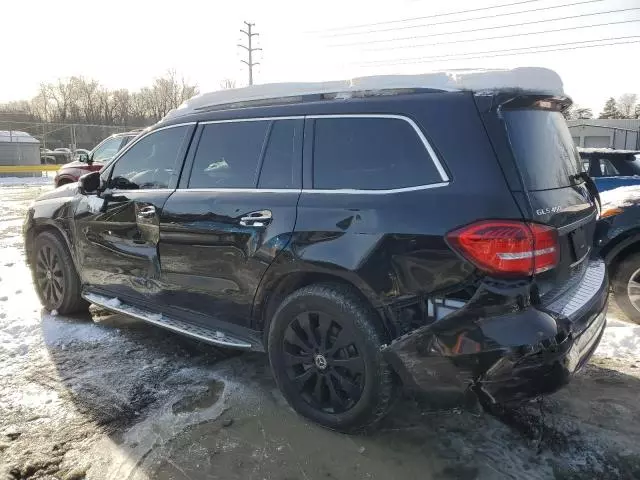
106, 397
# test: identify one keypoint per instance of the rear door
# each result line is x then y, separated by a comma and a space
551, 187
234, 212
118, 231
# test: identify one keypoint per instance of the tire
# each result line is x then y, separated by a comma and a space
324, 349
55, 277
627, 270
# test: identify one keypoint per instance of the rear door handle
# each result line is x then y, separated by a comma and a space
256, 219
147, 212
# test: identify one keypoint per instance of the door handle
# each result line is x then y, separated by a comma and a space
256, 219
147, 212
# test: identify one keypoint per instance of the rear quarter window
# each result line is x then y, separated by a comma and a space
370, 154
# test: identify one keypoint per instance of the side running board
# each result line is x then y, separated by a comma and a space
215, 337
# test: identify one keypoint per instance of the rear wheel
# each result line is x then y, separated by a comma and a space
626, 286
324, 349
55, 277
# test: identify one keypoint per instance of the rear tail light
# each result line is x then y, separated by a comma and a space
507, 247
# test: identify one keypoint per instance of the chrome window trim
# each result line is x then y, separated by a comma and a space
345, 191
350, 191
256, 119
240, 190
310, 190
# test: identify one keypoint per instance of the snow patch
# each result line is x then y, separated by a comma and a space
8, 181
112, 302
621, 340
14, 136
620, 197
54, 313
57, 331
607, 151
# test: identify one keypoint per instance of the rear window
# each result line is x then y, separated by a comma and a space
543, 148
370, 154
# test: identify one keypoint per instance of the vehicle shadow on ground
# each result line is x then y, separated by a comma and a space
119, 374
117, 367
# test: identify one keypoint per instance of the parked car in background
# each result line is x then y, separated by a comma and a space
54, 157
342, 228
617, 239
611, 168
80, 152
95, 159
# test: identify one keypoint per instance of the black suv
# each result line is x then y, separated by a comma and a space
363, 237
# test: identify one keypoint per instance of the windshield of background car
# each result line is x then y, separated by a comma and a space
543, 148
107, 149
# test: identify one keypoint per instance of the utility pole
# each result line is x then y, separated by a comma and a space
249, 48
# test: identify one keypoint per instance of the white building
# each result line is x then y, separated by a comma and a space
622, 134
18, 148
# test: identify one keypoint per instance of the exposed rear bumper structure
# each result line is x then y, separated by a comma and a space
507, 357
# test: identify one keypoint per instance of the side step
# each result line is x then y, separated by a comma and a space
215, 337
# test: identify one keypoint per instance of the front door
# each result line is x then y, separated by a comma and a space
118, 230
230, 217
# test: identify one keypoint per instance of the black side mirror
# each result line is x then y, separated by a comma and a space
89, 183
83, 157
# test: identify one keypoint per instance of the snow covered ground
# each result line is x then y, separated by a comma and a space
106, 397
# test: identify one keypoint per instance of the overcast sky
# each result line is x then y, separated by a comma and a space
128, 43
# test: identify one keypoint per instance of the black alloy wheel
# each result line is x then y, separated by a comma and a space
323, 362
49, 275
325, 349
56, 280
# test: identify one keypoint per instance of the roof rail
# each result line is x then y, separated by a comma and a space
526, 78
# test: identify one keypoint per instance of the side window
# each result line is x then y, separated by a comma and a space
151, 162
107, 150
228, 155
607, 169
370, 154
280, 157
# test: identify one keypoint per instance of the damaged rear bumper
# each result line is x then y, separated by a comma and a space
509, 357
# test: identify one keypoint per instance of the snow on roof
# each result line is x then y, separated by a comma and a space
525, 78
16, 136
607, 151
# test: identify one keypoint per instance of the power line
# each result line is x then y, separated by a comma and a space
250, 63
498, 37
506, 14
348, 27
500, 53
496, 27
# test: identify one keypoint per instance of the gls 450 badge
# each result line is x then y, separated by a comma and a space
546, 211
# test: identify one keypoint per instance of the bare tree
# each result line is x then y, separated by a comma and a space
576, 112
626, 104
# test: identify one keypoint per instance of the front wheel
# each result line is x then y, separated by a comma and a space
55, 276
626, 286
324, 348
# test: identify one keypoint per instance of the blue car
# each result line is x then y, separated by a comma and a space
611, 168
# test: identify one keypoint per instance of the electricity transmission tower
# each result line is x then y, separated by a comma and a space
250, 49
